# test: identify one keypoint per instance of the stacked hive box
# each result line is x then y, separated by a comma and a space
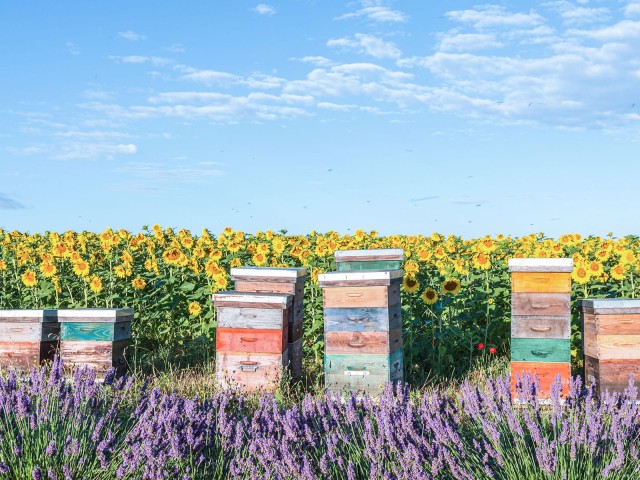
611, 342
251, 338
374, 259
96, 337
363, 330
541, 320
27, 337
279, 280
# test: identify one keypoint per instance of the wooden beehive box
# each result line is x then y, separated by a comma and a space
252, 338
373, 259
279, 280
611, 342
363, 329
96, 337
27, 338
541, 320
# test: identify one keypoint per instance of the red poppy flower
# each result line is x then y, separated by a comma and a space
493, 350
480, 346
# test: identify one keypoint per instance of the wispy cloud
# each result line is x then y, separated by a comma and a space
165, 172
488, 16
573, 14
93, 150
317, 61
264, 9
155, 61
9, 203
367, 44
375, 11
72, 48
131, 36
458, 42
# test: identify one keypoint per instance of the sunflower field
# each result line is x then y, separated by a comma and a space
455, 291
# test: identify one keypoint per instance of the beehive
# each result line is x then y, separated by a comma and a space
541, 320
27, 338
279, 280
252, 338
372, 259
363, 330
611, 342
96, 337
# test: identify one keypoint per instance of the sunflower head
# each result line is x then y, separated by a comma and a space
429, 296
451, 285
410, 284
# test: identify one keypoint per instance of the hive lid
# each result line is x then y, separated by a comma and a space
106, 315
284, 273
370, 255
252, 300
610, 303
380, 277
541, 264
28, 315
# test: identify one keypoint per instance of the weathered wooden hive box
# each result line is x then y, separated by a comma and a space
96, 337
252, 338
363, 330
611, 342
27, 337
541, 320
279, 280
373, 259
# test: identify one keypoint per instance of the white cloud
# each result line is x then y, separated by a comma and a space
621, 31
377, 13
131, 36
468, 41
88, 150
264, 9
574, 15
170, 173
488, 16
156, 61
212, 77
72, 48
632, 9
317, 61
367, 44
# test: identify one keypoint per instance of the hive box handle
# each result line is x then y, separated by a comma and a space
540, 353
540, 329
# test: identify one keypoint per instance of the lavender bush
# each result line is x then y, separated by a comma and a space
52, 427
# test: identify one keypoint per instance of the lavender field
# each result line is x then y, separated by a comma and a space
52, 427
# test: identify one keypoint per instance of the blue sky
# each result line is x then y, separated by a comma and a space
407, 117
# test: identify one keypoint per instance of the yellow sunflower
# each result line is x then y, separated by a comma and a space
580, 275
3, 265
429, 296
259, 259
174, 256
410, 284
618, 272
29, 278
138, 283
411, 267
95, 284
627, 257
595, 269
451, 285
212, 268
236, 262
81, 268
194, 309
48, 269
482, 262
